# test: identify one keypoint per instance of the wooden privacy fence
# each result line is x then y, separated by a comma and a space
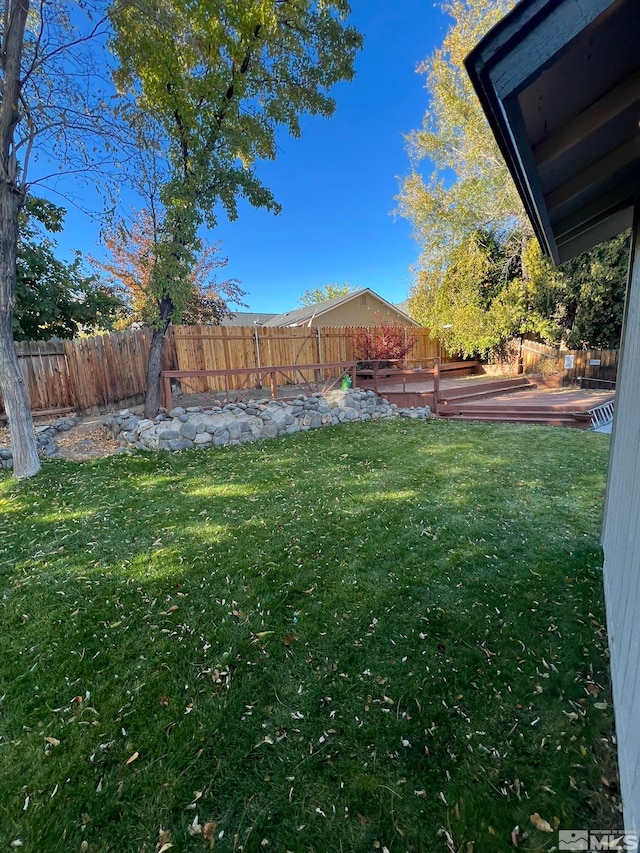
97, 373
572, 365
87, 374
242, 347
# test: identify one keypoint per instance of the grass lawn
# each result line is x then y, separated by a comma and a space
382, 635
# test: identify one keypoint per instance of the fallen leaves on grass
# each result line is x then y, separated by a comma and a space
260, 635
165, 841
196, 797
540, 823
195, 827
209, 832
470, 694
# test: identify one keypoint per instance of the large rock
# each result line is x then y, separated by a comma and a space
188, 430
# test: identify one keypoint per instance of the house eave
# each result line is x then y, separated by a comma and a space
573, 150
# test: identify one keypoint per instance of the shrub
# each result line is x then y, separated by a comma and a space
383, 344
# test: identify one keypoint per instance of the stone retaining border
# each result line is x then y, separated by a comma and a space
235, 423
239, 423
45, 437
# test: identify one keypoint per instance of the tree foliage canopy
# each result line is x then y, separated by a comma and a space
480, 277
204, 85
55, 298
218, 79
212, 82
469, 189
470, 285
596, 284
133, 255
587, 295
321, 294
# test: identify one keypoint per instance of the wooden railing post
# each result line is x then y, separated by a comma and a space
166, 384
436, 383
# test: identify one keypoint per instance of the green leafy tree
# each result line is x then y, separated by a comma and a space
217, 80
470, 286
54, 298
469, 189
592, 307
483, 294
205, 85
321, 294
582, 299
481, 277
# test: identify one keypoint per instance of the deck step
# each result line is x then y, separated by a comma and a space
487, 389
523, 416
513, 412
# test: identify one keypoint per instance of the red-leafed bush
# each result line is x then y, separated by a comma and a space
383, 344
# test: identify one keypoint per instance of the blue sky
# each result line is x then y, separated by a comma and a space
337, 183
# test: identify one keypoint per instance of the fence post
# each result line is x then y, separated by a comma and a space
520, 367
257, 341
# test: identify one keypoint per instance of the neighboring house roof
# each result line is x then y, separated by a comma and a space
302, 316
246, 318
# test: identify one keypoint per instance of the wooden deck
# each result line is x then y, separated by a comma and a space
516, 400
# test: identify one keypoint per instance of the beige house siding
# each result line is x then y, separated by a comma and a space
364, 310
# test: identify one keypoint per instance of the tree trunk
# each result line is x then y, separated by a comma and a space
154, 364
24, 445
14, 392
